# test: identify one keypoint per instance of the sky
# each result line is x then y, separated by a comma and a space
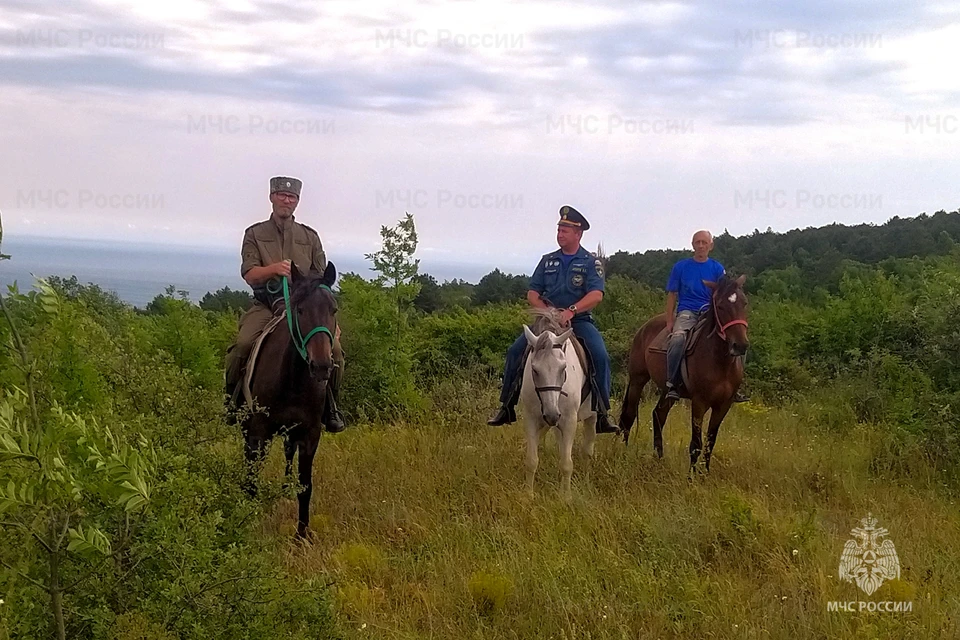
162, 122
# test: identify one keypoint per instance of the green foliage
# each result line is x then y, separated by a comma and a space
489, 591
435, 297
496, 287
376, 319
819, 253
626, 305
452, 342
226, 299
394, 262
129, 491
378, 379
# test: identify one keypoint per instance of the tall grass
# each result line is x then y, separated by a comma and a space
428, 533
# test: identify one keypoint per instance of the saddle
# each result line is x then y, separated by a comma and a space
249, 367
659, 344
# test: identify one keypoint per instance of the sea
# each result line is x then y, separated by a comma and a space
138, 272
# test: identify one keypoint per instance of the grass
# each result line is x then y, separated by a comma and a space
428, 532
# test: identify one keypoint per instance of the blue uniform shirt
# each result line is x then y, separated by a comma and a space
686, 280
564, 285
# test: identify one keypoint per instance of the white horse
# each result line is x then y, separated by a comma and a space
555, 393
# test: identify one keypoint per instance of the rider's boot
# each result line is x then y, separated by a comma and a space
506, 414
333, 420
603, 423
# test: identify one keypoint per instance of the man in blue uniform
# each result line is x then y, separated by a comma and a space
687, 299
570, 279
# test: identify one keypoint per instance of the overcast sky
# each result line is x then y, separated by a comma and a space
163, 121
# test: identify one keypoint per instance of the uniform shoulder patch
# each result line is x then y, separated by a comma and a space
599, 267
309, 229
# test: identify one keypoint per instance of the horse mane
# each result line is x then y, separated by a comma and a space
545, 320
304, 287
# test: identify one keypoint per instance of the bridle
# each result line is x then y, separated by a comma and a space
722, 328
293, 323
539, 388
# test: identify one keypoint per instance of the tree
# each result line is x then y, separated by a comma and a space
498, 286
428, 299
395, 265
226, 299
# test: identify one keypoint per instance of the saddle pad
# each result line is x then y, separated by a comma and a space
251, 361
659, 344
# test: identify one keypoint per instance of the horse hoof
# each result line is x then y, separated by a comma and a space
304, 535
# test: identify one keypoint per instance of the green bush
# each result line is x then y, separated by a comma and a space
182, 556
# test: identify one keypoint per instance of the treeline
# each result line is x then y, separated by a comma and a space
802, 261
803, 264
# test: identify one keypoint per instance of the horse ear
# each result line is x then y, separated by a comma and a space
531, 337
329, 275
711, 285
295, 273
741, 280
563, 337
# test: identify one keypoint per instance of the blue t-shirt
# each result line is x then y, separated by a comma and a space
564, 280
686, 280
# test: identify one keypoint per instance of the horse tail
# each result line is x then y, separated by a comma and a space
639, 374
631, 399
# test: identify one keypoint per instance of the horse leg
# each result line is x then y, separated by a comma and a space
532, 427
255, 446
717, 414
568, 430
586, 447
660, 413
308, 449
289, 448
697, 409
631, 402
589, 436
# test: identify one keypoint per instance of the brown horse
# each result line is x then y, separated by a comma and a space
715, 369
290, 381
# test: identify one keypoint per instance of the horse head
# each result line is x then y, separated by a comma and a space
313, 319
730, 312
549, 368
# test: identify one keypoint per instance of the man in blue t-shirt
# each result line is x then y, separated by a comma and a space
687, 298
571, 279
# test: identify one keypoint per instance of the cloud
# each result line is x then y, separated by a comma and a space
651, 116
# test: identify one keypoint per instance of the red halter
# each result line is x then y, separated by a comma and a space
722, 328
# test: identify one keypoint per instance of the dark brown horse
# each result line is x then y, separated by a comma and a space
715, 369
290, 379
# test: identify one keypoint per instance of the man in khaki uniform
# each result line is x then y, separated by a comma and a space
269, 248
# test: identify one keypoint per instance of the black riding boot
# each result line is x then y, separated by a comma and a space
333, 420
603, 423
506, 414
231, 401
